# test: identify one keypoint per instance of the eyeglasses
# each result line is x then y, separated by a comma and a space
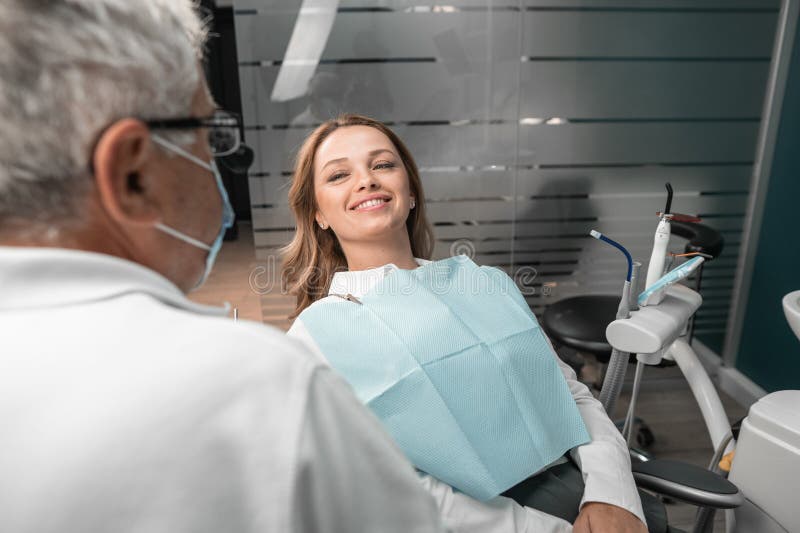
223, 130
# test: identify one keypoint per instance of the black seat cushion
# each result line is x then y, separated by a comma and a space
580, 323
686, 474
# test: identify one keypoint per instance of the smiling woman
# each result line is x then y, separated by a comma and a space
354, 196
447, 354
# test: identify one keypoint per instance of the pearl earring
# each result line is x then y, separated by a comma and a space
323, 226
413, 203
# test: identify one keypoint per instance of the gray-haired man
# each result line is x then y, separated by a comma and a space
124, 406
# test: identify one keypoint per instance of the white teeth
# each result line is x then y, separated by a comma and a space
369, 203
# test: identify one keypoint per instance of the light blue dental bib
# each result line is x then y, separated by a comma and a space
453, 362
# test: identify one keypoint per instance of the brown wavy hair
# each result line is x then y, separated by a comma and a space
315, 255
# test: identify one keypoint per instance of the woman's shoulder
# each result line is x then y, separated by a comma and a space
318, 305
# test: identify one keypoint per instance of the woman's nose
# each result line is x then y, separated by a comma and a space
366, 181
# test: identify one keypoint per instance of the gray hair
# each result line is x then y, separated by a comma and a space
69, 69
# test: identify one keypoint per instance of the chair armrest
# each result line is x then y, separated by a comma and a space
688, 483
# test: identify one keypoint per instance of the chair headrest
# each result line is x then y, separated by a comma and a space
700, 237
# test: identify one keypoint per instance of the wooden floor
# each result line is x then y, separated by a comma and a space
665, 403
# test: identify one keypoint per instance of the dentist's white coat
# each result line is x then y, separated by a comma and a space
125, 407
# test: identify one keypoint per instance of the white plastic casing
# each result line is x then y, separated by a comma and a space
652, 328
655, 269
766, 467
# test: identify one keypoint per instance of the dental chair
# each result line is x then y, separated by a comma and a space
766, 464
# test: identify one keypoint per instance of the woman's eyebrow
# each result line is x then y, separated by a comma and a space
332, 161
373, 153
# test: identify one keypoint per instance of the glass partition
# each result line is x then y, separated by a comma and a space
532, 123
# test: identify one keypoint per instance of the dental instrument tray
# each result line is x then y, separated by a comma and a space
652, 328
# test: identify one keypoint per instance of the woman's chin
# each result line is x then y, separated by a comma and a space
379, 230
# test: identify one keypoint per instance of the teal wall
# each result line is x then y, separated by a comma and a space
769, 353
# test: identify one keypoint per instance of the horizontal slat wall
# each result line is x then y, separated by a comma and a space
583, 144
244, 6
547, 34
590, 90
532, 123
638, 181
491, 210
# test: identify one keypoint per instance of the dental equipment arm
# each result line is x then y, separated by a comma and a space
664, 310
648, 332
657, 326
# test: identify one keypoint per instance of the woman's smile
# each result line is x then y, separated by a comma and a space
373, 202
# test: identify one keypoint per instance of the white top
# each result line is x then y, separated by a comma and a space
604, 461
126, 407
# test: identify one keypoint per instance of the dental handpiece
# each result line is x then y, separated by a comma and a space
655, 269
654, 294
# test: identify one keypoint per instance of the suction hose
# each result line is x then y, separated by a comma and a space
618, 362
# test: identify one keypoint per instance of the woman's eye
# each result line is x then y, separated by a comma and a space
338, 176
384, 165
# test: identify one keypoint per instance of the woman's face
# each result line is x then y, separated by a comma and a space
361, 186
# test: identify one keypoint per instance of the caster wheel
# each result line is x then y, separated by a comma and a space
645, 437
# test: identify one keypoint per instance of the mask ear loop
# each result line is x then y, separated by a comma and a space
196, 160
178, 150
227, 211
185, 238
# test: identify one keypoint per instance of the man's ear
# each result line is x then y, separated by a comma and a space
120, 161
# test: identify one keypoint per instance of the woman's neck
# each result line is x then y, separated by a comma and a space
366, 255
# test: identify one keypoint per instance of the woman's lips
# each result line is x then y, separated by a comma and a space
376, 203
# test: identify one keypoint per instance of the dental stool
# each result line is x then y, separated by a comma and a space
580, 322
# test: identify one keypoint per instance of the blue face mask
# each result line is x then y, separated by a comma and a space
228, 216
